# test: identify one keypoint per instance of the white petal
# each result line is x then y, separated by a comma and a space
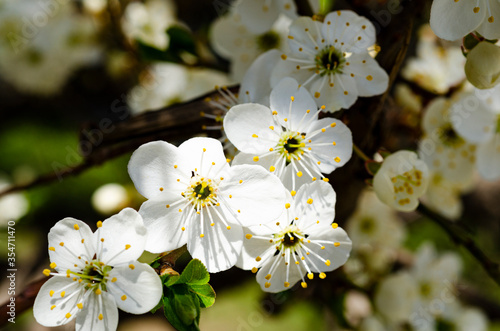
370, 78
335, 97
472, 119
252, 248
255, 192
204, 156
291, 179
452, 20
124, 237
137, 288
151, 166
247, 126
288, 68
488, 158
278, 277
257, 15
316, 201
165, 224
294, 111
331, 156
219, 247
436, 115
337, 255
253, 87
224, 36
43, 309
395, 297
89, 318
491, 30
305, 32
65, 244
265, 161
355, 32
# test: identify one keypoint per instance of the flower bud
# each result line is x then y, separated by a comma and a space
483, 65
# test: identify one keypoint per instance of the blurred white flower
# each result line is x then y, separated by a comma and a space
39, 50
110, 198
331, 59
476, 118
167, 83
436, 67
235, 42
13, 206
451, 20
401, 180
258, 16
148, 22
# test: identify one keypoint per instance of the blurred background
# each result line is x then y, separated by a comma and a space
74, 73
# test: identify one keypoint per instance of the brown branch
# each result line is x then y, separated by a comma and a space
462, 237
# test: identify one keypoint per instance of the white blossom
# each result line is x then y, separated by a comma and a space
331, 59
288, 139
303, 241
451, 20
483, 65
97, 273
258, 16
195, 197
401, 180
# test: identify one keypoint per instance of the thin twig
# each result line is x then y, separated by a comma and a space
463, 238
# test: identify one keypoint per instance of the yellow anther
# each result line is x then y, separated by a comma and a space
51, 293
80, 305
76, 227
254, 269
228, 227
299, 174
63, 293
53, 265
52, 307
267, 285
303, 284
127, 246
268, 276
322, 275
256, 158
337, 244
255, 136
183, 229
337, 159
68, 315
131, 266
99, 224
333, 125
46, 272
292, 98
102, 239
476, 10
202, 235
293, 193
369, 78
287, 284
327, 262
283, 56
227, 160
61, 244
113, 280
310, 275
297, 262
275, 112
323, 130
271, 127
124, 297
248, 236
98, 291
100, 317
175, 166
322, 247
335, 225
309, 201
317, 94
52, 249
272, 168
258, 258
287, 205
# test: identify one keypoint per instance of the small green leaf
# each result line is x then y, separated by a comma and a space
169, 280
195, 273
205, 293
181, 40
182, 308
470, 41
372, 167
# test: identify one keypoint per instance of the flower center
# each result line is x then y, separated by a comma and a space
94, 275
367, 225
290, 145
268, 40
405, 184
449, 137
329, 61
201, 192
290, 237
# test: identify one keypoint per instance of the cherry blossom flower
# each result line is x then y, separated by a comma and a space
331, 59
303, 241
476, 118
148, 22
234, 41
97, 273
290, 141
453, 19
437, 66
401, 180
195, 197
258, 16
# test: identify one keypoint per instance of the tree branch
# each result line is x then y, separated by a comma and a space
462, 237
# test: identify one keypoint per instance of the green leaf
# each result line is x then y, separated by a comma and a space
195, 273
181, 40
372, 167
205, 293
182, 308
170, 280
